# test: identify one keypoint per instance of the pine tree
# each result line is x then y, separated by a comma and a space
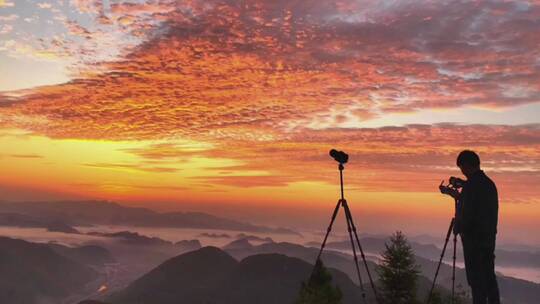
319, 289
398, 272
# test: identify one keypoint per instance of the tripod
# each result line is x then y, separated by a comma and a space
351, 228
450, 230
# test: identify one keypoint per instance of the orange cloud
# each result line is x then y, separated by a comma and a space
272, 65
132, 167
410, 158
269, 83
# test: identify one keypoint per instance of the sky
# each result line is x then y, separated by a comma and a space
231, 107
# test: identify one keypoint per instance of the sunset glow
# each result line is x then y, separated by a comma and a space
203, 105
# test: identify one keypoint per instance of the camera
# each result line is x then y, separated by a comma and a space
456, 182
452, 189
339, 156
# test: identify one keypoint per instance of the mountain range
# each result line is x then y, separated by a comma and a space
210, 275
240, 272
515, 291
89, 213
375, 245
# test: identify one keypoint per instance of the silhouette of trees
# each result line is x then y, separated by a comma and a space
445, 297
319, 289
398, 272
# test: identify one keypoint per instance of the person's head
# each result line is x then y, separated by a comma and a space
469, 162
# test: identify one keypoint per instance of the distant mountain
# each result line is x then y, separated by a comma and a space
89, 254
87, 213
334, 259
136, 239
59, 226
215, 235
210, 275
133, 238
188, 245
11, 219
430, 251
241, 245
35, 273
254, 238
513, 290
376, 245
19, 220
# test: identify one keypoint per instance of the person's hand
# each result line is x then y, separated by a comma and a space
453, 192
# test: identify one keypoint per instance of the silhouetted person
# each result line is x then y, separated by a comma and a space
477, 216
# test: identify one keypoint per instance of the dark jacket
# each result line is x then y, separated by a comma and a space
478, 207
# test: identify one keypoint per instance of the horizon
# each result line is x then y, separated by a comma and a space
230, 108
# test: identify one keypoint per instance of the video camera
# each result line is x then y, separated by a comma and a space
452, 189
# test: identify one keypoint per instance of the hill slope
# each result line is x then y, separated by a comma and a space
32, 272
210, 275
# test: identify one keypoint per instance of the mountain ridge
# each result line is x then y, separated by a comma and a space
88, 213
210, 275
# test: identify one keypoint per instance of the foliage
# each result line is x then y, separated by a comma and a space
398, 272
319, 289
445, 297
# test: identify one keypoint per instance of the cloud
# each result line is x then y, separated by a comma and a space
44, 5
88, 6
137, 167
273, 82
220, 69
246, 181
76, 29
8, 18
409, 158
26, 156
149, 7
6, 29
6, 3
133, 186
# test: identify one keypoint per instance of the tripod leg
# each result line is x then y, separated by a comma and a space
440, 260
349, 229
348, 215
454, 270
328, 229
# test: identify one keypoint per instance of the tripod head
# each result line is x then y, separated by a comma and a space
339, 156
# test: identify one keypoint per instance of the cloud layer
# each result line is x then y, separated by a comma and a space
275, 82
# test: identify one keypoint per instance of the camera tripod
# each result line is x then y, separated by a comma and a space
450, 230
351, 228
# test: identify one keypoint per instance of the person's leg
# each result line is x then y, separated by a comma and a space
468, 258
492, 288
474, 270
478, 295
